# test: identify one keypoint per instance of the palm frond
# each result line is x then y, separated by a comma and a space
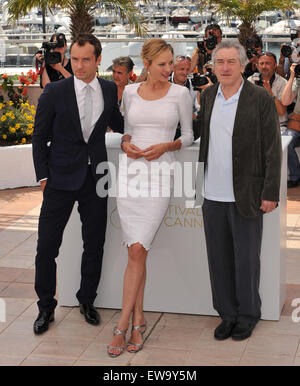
81, 12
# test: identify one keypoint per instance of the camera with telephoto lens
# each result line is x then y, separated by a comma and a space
211, 42
50, 56
294, 34
198, 80
251, 44
251, 52
286, 50
293, 51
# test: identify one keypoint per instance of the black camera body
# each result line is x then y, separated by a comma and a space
50, 56
251, 44
294, 34
211, 42
286, 50
251, 52
198, 80
297, 71
290, 50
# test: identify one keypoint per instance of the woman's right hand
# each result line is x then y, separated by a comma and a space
131, 150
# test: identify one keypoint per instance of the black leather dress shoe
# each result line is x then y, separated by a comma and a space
90, 313
42, 322
223, 331
242, 330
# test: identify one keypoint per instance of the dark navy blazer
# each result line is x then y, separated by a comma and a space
65, 161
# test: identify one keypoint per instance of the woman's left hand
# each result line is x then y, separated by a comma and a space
155, 151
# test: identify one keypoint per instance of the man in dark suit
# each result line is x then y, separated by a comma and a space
73, 115
241, 150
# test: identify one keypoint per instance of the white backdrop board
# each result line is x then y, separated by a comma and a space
177, 268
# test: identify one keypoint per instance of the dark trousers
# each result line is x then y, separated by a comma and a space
293, 160
233, 248
55, 213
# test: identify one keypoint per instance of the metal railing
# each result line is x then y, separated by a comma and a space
20, 50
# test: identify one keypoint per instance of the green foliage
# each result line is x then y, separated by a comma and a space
81, 12
248, 10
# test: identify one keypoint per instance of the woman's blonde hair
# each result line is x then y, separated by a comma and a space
154, 47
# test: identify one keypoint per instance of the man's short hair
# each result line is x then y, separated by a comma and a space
124, 61
213, 27
231, 44
83, 38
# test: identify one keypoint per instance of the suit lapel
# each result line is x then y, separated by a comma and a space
206, 110
242, 111
209, 104
101, 120
72, 105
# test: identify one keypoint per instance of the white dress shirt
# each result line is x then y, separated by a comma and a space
218, 181
98, 101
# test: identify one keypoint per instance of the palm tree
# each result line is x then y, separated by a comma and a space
21, 8
81, 12
248, 11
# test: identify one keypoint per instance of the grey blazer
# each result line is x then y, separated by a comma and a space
256, 146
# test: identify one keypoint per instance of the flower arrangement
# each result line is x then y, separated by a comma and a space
16, 114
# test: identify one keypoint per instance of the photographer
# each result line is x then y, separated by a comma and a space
290, 92
59, 66
272, 82
285, 60
181, 70
253, 50
202, 54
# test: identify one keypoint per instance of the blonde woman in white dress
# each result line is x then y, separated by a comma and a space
152, 110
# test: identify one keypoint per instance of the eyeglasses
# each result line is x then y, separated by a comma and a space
182, 57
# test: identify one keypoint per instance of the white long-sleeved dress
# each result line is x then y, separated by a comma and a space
143, 193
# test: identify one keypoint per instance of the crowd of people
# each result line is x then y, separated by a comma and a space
262, 69
239, 113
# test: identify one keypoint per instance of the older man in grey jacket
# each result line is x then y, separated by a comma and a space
241, 148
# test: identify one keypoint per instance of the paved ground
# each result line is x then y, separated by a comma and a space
172, 339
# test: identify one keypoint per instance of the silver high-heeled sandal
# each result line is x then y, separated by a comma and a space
119, 348
139, 345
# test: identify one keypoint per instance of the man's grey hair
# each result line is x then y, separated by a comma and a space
233, 43
124, 61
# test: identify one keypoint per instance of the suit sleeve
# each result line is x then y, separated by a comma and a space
42, 133
116, 121
271, 149
197, 122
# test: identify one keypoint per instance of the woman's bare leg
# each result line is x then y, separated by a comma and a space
134, 281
